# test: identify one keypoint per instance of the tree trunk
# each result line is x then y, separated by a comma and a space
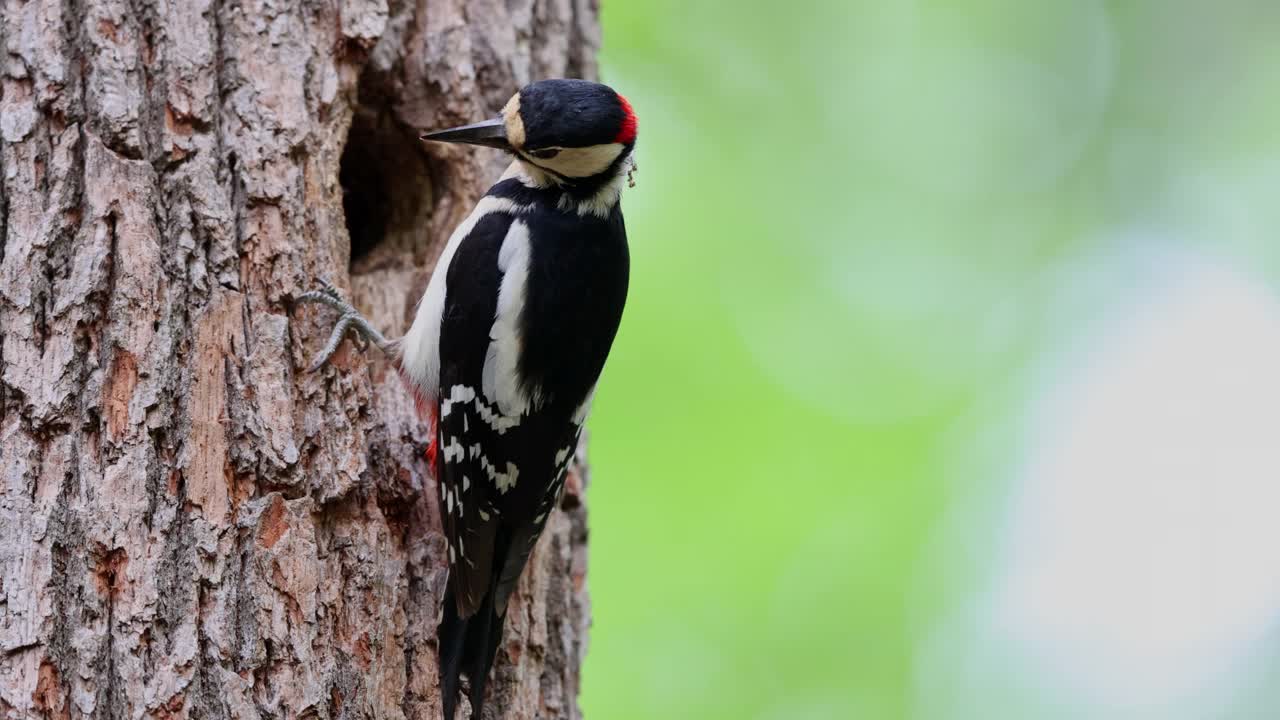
190, 524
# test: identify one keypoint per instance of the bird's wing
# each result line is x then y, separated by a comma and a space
525, 536
465, 430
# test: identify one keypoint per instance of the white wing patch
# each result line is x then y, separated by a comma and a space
499, 422
453, 451
501, 379
561, 455
503, 480
421, 345
457, 394
580, 415
463, 394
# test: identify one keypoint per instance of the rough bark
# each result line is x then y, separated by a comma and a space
190, 525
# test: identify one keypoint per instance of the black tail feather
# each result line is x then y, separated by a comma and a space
452, 638
469, 645
483, 637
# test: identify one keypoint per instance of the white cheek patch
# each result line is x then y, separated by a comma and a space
583, 161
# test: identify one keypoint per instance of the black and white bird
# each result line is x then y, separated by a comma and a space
508, 343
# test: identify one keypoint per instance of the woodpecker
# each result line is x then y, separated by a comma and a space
508, 343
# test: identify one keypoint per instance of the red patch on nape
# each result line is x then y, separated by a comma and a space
627, 133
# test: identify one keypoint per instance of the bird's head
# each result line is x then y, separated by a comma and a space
573, 130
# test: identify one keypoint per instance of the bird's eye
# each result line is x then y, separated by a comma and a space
545, 153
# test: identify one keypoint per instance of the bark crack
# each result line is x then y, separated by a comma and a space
110, 572
219, 90
4, 206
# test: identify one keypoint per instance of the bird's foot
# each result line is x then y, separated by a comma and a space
349, 319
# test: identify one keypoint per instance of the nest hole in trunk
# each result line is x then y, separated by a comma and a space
386, 186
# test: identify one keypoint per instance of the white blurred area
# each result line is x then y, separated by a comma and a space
1133, 569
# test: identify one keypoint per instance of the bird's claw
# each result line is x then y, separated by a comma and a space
328, 295
349, 319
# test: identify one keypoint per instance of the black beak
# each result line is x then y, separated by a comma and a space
490, 133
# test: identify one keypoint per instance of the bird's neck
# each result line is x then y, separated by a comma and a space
596, 195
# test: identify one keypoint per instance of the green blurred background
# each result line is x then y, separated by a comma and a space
947, 386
